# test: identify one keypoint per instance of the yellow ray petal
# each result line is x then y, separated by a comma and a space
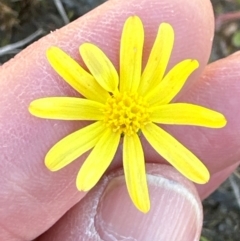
67, 108
131, 54
158, 59
75, 75
100, 66
176, 154
187, 114
135, 173
73, 146
98, 160
172, 83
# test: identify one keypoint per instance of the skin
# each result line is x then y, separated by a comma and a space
33, 199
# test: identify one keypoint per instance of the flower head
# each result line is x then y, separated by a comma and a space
122, 105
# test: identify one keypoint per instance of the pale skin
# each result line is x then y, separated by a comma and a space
32, 197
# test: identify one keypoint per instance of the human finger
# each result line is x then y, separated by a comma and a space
24, 141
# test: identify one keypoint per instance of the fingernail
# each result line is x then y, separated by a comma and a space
175, 213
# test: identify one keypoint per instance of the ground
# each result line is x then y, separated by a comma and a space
25, 21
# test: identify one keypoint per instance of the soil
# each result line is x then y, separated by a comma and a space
24, 21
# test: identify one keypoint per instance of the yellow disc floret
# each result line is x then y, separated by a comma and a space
126, 113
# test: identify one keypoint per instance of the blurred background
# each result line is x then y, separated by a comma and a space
25, 21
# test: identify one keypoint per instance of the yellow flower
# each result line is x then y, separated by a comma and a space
122, 106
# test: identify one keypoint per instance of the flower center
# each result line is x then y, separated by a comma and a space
126, 113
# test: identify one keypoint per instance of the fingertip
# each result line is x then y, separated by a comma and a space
175, 214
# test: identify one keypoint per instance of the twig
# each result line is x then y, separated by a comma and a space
226, 17
61, 11
14, 51
235, 189
236, 174
11, 47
